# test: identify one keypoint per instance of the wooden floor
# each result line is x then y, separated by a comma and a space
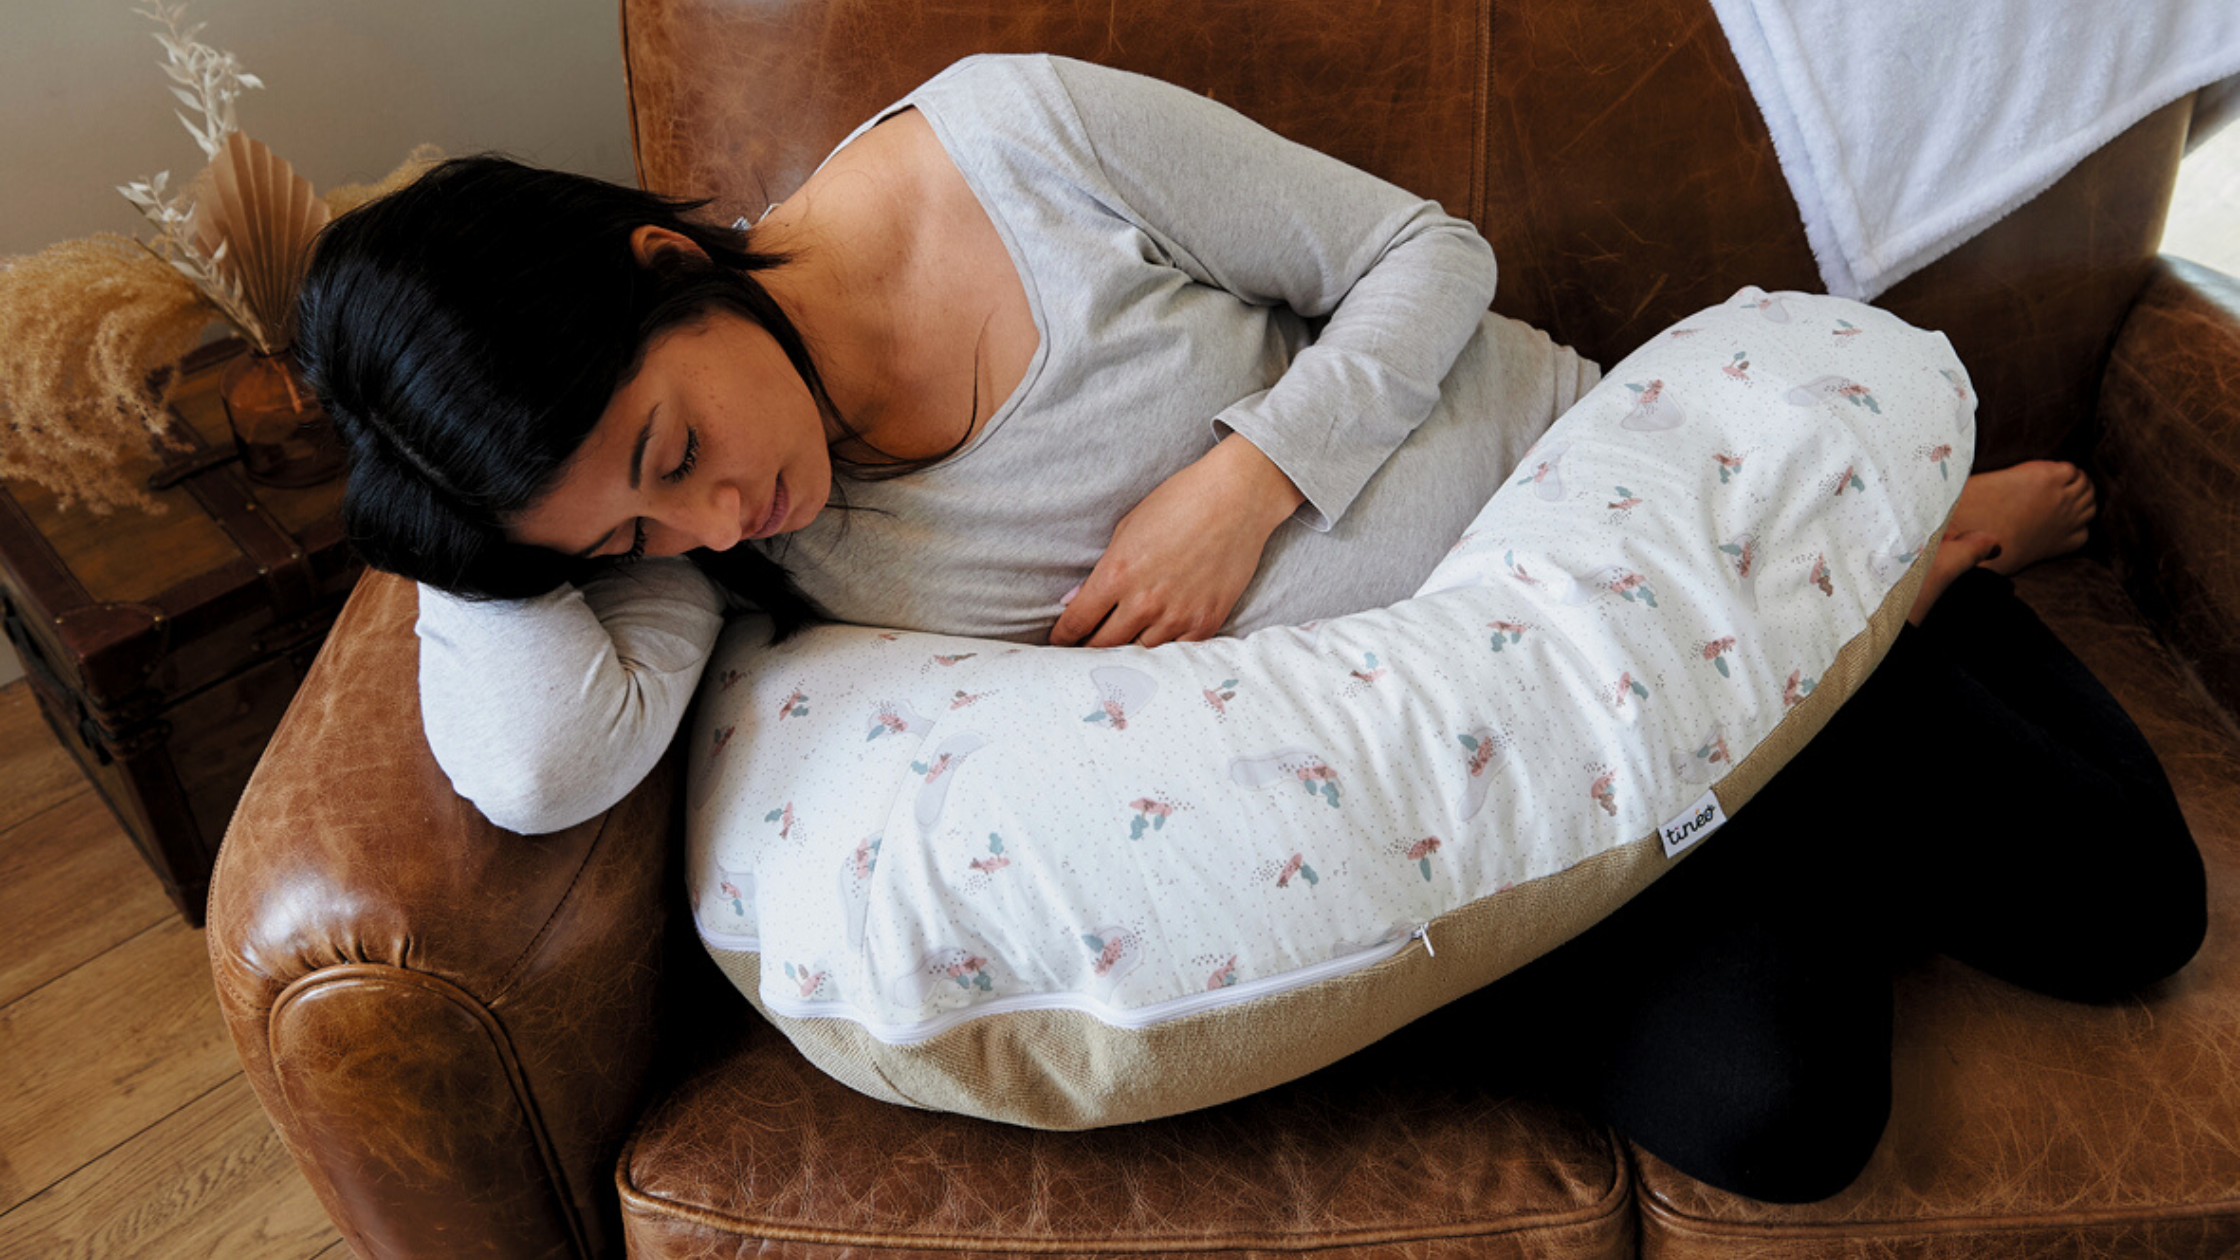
126, 1126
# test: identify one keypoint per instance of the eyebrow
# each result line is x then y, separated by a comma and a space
637, 474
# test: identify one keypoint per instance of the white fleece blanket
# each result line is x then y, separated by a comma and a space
1907, 126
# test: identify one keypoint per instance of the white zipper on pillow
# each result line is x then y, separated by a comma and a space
1137, 1018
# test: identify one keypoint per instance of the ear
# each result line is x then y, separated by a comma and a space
648, 242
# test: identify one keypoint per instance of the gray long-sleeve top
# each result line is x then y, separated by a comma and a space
1189, 274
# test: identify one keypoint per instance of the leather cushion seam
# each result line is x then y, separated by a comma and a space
564, 900
1617, 1201
1662, 1212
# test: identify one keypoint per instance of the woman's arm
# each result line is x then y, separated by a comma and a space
1234, 205
544, 712
1401, 284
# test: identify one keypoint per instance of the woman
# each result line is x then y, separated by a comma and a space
1085, 358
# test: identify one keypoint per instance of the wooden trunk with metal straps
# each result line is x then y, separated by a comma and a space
164, 647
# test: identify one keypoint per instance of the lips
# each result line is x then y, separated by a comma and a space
777, 517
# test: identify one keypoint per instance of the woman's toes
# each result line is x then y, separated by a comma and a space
2082, 502
1971, 549
1957, 552
1962, 550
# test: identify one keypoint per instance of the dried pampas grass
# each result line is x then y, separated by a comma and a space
347, 197
86, 323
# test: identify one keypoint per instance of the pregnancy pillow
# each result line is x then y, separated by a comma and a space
1069, 887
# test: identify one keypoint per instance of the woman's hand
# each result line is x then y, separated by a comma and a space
1179, 559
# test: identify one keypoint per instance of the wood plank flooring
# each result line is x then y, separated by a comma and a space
126, 1125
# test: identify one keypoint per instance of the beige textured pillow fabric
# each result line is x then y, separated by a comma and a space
1070, 887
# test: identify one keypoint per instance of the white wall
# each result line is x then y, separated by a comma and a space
351, 86
2205, 209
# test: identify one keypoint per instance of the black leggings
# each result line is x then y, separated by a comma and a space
1982, 795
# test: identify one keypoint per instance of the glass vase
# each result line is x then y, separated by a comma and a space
285, 436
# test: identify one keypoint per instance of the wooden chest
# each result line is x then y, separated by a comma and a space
164, 648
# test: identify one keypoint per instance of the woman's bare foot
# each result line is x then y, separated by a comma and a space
1956, 554
2035, 510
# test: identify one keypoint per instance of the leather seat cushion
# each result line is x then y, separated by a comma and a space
2028, 1126
1394, 1151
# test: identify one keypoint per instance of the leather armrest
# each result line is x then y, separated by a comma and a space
2169, 463
451, 1025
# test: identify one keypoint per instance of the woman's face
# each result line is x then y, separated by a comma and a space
714, 440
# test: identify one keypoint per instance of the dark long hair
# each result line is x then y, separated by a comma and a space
466, 333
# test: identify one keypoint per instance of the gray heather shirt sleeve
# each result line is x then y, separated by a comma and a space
545, 712
1402, 282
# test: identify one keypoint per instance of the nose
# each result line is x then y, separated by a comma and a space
710, 520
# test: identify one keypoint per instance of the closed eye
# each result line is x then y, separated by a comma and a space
679, 473
691, 458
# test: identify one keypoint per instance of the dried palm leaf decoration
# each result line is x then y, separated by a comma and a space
253, 217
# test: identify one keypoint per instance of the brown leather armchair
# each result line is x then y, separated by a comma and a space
482, 1043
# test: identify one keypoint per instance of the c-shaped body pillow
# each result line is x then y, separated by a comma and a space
1068, 887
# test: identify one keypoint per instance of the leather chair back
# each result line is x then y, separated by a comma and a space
1609, 150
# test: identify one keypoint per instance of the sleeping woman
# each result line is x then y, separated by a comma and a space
1048, 352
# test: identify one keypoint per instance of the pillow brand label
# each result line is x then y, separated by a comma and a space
1696, 822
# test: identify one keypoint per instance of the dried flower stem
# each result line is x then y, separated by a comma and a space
225, 298
209, 79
